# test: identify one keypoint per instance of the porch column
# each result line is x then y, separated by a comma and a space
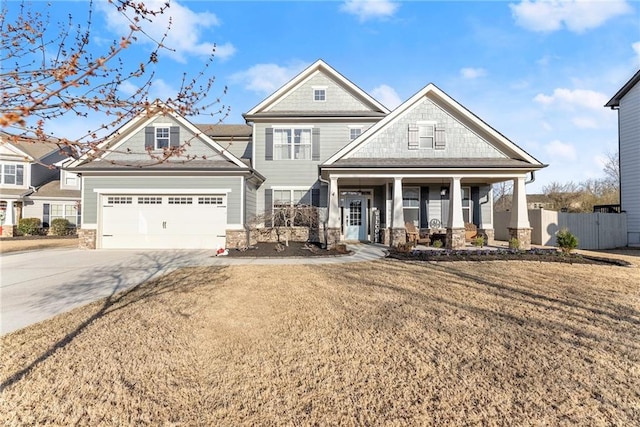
455, 231
333, 220
519, 227
398, 232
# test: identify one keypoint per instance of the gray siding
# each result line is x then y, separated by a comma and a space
250, 202
629, 116
486, 205
90, 207
333, 136
337, 98
240, 149
40, 175
461, 142
33, 208
137, 151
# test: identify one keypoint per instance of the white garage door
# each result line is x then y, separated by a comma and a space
164, 222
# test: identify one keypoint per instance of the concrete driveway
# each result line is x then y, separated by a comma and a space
37, 285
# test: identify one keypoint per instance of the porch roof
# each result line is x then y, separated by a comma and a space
430, 163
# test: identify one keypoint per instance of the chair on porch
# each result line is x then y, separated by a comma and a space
413, 235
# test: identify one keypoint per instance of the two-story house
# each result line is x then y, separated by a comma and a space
32, 185
319, 140
627, 102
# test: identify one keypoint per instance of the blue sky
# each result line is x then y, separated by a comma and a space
537, 71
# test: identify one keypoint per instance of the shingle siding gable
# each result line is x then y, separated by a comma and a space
461, 142
337, 98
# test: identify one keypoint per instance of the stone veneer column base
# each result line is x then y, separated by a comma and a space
455, 238
523, 235
333, 237
86, 239
489, 235
236, 239
398, 236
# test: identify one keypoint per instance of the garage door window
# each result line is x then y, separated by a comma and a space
119, 200
180, 200
209, 200
149, 200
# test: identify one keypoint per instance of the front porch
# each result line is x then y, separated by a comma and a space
378, 208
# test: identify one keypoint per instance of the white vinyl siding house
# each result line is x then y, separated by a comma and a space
627, 102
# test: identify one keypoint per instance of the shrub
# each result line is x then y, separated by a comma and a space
437, 244
478, 241
29, 226
59, 227
514, 243
566, 241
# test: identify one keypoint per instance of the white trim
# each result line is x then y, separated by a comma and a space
291, 187
293, 126
89, 226
235, 226
180, 191
242, 192
162, 124
309, 72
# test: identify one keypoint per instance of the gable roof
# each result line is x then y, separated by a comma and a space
307, 73
434, 93
615, 101
28, 148
145, 118
226, 131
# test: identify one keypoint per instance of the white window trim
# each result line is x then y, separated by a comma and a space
64, 210
466, 208
351, 127
316, 88
277, 146
412, 207
155, 137
172, 191
25, 174
422, 124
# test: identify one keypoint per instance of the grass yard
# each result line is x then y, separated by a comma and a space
381, 343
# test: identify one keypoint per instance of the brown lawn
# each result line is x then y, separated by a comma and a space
380, 343
16, 245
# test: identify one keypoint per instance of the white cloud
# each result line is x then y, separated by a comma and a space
387, 96
561, 151
267, 78
576, 15
636, 48
370, 9
571, 99
585, 122
473, 73
185, 35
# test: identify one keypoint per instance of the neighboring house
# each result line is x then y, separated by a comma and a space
627, 102
30, 185
319, 140
542, 201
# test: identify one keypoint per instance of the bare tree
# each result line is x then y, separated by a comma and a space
50, 72
502, 195
284, 219
612, 169
563, 196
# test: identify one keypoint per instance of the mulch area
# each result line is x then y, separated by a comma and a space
540, 255
277, 250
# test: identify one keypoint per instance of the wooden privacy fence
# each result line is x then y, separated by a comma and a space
593, 230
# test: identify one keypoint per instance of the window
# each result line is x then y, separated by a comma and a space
13, 174
411, 205
215, 200
319, 94
292, 143
119, 200
149, 200
70, 212
426, 134
162, 138
466, 204
354, 133
292, 204
70, 180
180, 200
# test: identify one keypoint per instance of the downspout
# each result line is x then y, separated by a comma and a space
325, 223
533, 178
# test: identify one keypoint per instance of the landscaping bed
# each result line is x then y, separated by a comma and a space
278, 250
540, 255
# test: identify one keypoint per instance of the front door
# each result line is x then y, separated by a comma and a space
355, 218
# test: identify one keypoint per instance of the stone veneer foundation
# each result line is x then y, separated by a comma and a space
455, 238
9, 231
398, 236
86, 239
523, 235
489, 235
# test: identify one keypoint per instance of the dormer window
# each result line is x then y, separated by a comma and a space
162, 138
319, 94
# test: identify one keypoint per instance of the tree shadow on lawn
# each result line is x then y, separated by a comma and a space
137, 279
570, 312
